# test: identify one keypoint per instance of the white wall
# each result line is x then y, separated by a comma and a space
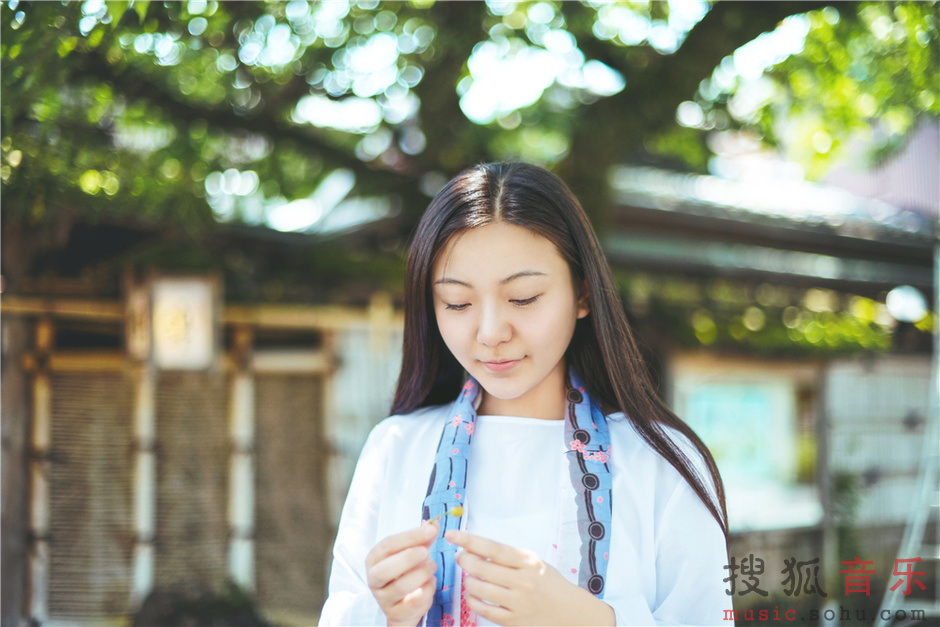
867, 401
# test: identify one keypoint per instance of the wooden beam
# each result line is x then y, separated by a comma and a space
287, 362
88, 361
264, 362
327, 317
58, 308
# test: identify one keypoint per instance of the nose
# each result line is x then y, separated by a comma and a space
494, 328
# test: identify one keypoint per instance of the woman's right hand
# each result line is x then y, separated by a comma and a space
400, 574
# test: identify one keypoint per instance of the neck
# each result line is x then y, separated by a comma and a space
546, 401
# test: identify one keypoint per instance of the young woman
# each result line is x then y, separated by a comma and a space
529, 474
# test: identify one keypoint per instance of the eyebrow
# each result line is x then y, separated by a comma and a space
512, 277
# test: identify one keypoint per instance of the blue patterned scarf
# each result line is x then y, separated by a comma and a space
588, 455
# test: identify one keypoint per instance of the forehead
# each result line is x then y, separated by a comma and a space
496, 250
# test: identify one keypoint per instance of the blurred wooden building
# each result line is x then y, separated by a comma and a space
175, 430
164, 440
827, 446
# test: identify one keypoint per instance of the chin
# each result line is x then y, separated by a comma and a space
497, 387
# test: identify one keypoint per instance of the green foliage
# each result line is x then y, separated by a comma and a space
683, 145
124, 110
60, 116
763, 319
188, 115
876, 74
867, 73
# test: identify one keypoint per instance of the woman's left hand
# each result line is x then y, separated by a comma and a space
511, 586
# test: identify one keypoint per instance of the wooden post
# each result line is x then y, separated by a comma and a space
41, 439
15, 468
145, 481
241, 508
137, 315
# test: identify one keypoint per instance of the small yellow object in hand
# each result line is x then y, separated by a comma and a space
456, 510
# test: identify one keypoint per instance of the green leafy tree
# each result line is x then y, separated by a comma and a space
865, 72
187, 115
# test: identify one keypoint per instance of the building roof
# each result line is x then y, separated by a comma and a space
786, 228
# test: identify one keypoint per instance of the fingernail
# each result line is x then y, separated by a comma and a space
430, 530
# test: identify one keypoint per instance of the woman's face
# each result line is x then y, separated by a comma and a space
506, 308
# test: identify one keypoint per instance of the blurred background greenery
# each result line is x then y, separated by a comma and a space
763, 175
192, 119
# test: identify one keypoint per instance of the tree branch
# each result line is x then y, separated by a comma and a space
135, 85
655, 86
724, 29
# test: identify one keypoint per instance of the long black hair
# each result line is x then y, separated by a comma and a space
602, 350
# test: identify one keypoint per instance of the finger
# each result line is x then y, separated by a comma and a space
396, 565
492, 613
499, 553
414, 605
419, 596
481, 568
489, 592
415, 578
424, 534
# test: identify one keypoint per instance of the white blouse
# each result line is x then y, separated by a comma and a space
666, 551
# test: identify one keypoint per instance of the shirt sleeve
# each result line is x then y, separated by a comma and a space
349, 600
690, 555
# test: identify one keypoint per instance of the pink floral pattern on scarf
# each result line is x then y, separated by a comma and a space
467, 618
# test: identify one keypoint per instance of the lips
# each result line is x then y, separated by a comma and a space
501, 366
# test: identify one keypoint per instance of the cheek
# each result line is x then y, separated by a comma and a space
451, 330
553, 330
554, 322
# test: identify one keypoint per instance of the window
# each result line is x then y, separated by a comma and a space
758, 421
